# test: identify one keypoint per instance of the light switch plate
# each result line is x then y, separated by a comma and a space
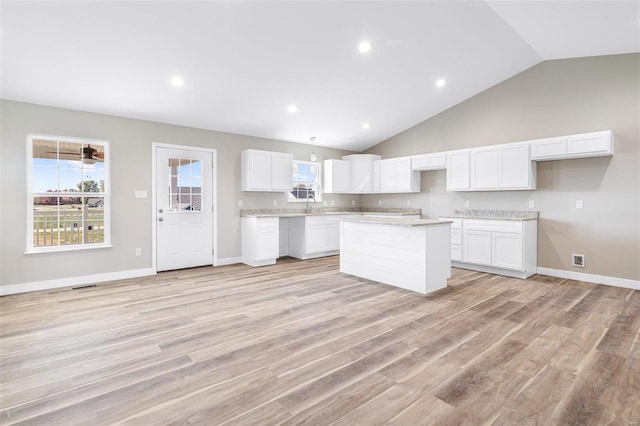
578, 204
532, 204
275, 203
467, 203
240, 203
140, 193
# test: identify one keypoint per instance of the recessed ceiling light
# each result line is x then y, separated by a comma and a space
440, 83
292, 108
364, 47
177, 81
366, 125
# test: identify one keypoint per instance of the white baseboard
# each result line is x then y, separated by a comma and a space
597, 279
74, 281
228, 261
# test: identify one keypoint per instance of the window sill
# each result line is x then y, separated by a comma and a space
59, 249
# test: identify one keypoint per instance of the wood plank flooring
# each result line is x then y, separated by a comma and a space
301, 343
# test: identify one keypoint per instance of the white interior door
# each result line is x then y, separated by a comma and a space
184, 208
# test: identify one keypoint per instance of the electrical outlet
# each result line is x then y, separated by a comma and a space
138, 193
138, 252
240, 203
332, 203
379, 202
467, 203
578, 204
532, 204
353, 202
275, 203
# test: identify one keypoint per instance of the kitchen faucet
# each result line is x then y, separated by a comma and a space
308, 209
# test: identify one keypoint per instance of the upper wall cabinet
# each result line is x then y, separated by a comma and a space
361, 172
458, 170
595, 144
395, 175
266, 171
491, 168
433, 161
337, 176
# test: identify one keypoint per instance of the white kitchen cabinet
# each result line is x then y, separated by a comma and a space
313, 236
516, 170
433, 161
458, 170
484, 165
594, 144
476, 247
337, 177
502, 167
266, 171
506, 247
456, 238
395, 175
361, 172
506, 250
259, 240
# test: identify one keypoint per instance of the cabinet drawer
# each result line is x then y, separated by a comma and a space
317, 220
456, 253
493, 225
265, 223
456, 236
457, 223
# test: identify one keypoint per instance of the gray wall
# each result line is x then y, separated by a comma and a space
130, 169
553, 98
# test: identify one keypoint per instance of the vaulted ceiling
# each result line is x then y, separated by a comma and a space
244, 64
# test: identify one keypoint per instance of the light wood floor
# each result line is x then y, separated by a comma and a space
300, 343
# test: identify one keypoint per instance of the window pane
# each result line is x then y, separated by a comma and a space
94, 226
93, 177
196, 202
70, 179
71, 152
71, 226
196, 185
196, 168
45, 222
44, 179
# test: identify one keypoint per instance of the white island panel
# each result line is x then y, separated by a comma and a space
414, 258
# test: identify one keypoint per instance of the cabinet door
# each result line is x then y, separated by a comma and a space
404, 175
515, 166
476, 247
376, 176
281, 172
484, 167
322, 237
336, 177
361, 175
388, 176
458, 170
548, 148
259, 170
268, 239
589, 144
506, 251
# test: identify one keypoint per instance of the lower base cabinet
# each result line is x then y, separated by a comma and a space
260, 240
313, 236
501, 247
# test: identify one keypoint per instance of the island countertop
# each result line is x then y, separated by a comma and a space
399, 221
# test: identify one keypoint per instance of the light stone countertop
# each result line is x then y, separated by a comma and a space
399, 221
328, 211
516, 215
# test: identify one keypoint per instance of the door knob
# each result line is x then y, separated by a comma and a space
160, 211
160, 219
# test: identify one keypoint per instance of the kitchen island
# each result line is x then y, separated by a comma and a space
412, 254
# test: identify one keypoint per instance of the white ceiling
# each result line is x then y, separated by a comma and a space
244, 63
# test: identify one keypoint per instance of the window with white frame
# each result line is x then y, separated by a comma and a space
306, 182
68, 188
